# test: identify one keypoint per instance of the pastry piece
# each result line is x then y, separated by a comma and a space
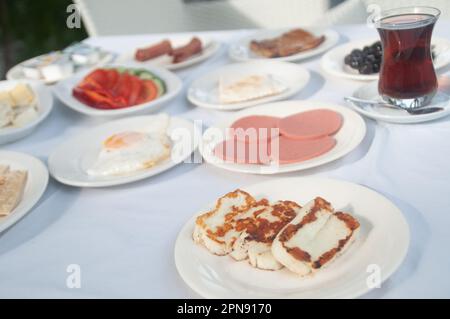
314, 238
248, 88
12, 185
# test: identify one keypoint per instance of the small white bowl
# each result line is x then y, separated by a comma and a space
45, 105
63, 90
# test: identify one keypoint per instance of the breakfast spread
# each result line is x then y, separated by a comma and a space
248, 88
273, 236
18, 106
165, 47
289, 43
118, 88
133, 150
260, 139
12, 186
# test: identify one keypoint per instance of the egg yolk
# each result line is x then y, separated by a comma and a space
122, 140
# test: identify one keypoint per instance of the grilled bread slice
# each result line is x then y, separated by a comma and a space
256, 240
216, 229
314, 238
12, 185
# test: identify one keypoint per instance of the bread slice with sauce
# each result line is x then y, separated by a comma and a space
314, 238
258, 233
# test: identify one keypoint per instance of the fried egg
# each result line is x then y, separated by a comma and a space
130, 151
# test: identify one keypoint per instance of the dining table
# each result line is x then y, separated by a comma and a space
121, 239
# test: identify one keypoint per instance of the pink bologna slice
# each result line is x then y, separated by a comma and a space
310, 124
236, 151
294, 151
259, 127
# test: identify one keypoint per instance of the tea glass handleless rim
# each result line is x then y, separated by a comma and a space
433, 12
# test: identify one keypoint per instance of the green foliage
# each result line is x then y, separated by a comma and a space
35, 27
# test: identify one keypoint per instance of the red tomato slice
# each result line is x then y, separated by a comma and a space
112, 78
136, 86
149, 93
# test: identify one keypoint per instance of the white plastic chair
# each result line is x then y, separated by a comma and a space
355, 11
114, 17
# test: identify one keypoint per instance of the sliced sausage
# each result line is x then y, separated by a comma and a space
154, 51
311, 124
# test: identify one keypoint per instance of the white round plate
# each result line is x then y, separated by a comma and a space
204, 92
45, 105
63, 90
333, 61
369, 91
210, 48
240, 50
383, 241
348, 138
36, 184
16, 73
69, 161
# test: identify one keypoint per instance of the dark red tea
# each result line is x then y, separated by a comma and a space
407, 70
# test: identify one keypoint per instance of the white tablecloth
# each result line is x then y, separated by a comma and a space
123, 237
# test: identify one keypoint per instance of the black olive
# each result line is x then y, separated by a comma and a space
348, 59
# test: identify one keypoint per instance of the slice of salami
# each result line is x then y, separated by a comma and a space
287, 151
235, 151
255, 128
310, 124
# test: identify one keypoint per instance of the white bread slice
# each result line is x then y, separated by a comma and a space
216, 229
12, 185
256, 240
314, 238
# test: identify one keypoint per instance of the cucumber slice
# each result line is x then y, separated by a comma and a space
161, 85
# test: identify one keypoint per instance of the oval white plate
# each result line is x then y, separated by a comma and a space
63, 90
204, 91
45, 105
36, 184
69, 161
383, 241
16, 73
369, 91
210, 48
240, 50
348, 138
333, 61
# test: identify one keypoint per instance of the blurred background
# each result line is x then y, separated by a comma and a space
29, 27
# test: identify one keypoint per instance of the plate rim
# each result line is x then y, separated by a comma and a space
242, 168
120, 180
406, 119
42, 92
213, 50
189, 223
166, 75
332, 34
251, 103
39, 169
326, 59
